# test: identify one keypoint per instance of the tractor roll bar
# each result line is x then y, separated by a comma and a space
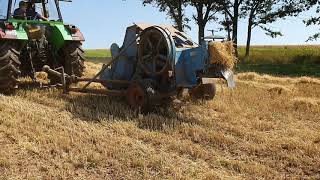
58, 9
9, 9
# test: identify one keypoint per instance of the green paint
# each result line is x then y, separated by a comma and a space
59, 33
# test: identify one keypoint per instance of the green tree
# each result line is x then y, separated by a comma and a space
262, 13
313, 20
232, 9
226, 26
205, 12
175, 9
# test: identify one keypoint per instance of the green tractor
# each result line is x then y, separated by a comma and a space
32, 35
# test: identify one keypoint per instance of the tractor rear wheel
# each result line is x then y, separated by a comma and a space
9, 67
73, 58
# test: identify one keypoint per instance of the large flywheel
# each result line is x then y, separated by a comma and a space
155, 51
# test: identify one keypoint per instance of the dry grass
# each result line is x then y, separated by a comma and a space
251, 76
247, 133
306, 103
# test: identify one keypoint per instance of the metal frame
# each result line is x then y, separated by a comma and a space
66, 80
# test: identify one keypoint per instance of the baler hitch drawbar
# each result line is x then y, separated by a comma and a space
67, 80
139, 99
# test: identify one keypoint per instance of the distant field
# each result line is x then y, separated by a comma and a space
258, 54
283, 54
282, 60
97, 53
275, 60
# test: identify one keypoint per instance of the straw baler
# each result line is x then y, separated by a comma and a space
154, 64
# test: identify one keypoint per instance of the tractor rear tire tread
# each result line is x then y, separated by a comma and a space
74, 59
9, 68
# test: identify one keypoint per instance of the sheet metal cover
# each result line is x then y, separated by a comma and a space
171, 29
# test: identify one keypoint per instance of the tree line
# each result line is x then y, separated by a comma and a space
258, 13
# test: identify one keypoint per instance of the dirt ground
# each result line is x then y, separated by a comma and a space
266, 128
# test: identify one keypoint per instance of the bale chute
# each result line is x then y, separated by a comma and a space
222, 53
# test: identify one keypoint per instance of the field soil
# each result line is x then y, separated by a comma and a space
268, 127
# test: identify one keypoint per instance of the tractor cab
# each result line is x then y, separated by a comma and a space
48, 9
38, 18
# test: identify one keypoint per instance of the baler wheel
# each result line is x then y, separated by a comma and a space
136, 96
9, 67
139, 94
204, 91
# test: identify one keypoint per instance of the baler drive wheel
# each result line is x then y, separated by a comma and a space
139, 95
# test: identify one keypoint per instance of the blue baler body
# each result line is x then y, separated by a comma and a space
186, 62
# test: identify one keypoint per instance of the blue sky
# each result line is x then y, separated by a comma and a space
105, 22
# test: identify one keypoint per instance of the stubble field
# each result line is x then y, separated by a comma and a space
268, 127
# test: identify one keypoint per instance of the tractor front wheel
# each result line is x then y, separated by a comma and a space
9, 67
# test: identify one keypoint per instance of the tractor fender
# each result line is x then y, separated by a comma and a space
75, 32
13, 34
2, 34
9, 35
19, 37
62, 34
78, 36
